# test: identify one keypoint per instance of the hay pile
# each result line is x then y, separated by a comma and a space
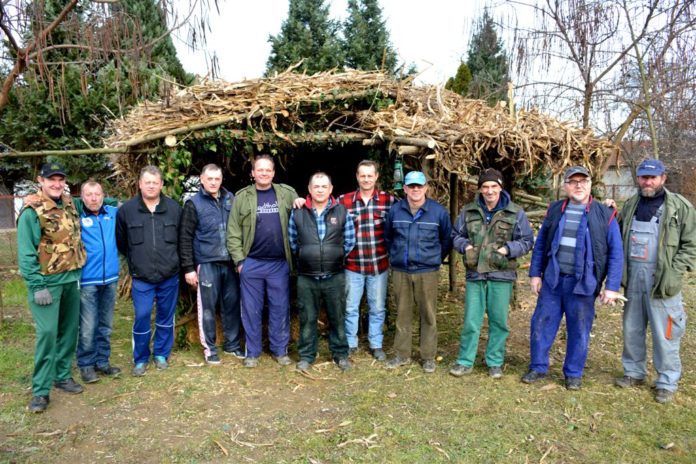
369, 106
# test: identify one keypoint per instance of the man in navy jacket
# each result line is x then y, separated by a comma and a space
578, 246
418, 236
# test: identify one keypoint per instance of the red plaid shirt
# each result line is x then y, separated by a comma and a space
369, 256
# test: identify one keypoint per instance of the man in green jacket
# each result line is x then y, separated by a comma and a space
659, 234
51, 256
257, 239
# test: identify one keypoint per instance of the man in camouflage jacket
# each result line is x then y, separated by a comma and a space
51, 256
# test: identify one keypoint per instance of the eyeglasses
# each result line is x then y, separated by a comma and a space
415, 186
576, 183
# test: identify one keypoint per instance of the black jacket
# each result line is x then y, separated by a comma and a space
150, 241
317, 257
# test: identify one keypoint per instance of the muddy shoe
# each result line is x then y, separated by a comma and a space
283, 360
139, 370
627, 381
397, 362
251, 362
459, 370
111, 371
68, 386
532, 376
495, 372
429, 366
88, 375
239, 354
379, 354
573, 383
213, 359
38, 404
303, 366
343, 364
161, 363
664, 396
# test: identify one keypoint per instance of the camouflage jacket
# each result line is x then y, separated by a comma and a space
60, 247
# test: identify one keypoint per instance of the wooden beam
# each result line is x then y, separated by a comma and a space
408, 150
77, 152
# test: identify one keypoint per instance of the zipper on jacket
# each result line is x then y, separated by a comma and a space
101, 232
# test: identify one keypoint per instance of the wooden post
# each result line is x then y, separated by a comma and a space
453, 207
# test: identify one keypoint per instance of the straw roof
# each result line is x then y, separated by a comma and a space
369, 107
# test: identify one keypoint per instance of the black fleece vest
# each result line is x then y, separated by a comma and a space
320, 257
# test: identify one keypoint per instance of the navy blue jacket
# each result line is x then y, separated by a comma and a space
98, 232
595, 257
203, 229
417, 243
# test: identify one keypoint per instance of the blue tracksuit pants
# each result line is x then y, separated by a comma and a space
261, 279
165, 294
579, 312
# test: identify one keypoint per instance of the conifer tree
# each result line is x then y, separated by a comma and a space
487, 62
307, 34
366, 38
461, 81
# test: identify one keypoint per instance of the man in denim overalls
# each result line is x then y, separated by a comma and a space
659, 234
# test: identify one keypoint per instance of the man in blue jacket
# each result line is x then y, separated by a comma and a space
417, 233
98, 285
578, 246
147, 234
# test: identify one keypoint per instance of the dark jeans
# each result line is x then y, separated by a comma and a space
96, 316
310, 292
218, 286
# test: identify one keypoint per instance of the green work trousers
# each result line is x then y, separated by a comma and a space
56, 336
417, 290
485, 297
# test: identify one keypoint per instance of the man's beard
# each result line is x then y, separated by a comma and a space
649, 192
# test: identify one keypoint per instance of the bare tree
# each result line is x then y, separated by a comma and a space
608, 59
91, 31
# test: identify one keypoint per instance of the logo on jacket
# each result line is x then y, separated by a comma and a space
333, 221
87, 222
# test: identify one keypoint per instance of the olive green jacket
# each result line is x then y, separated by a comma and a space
241, 227
676, 250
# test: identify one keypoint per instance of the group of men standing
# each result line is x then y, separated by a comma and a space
239, 251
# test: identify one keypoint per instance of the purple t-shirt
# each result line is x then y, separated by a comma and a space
268, 239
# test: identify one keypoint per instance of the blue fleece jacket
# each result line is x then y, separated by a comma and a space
98, 233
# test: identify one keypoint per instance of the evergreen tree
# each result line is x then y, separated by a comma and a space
42, 115
487, 62
366, 39
307, 34
461, 81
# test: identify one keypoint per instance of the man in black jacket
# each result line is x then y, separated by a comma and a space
207, 264
321, 235
147, 234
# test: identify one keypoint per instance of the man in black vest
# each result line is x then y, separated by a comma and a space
207, 264
579, 244
321, 235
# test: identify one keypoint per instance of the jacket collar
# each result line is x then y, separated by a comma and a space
160, 208
331, 204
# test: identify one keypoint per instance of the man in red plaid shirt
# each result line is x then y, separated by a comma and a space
367, 266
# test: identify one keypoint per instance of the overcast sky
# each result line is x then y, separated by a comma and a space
432, 34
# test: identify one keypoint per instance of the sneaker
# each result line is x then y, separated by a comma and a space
213, 359
139, 370
495, 372
283, 360
161, 363
343, 363
303, 366
532, 376
459, 370
239, 354
429, 366
378, 354
664, 396
627, 381
38, 404
68, 386
396, 362
111, 371
88, 375
251, 362
572, 383
352, 350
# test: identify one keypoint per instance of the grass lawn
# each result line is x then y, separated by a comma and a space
196, 413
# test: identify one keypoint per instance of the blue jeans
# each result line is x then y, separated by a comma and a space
376, 295
144, 294
96, 316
